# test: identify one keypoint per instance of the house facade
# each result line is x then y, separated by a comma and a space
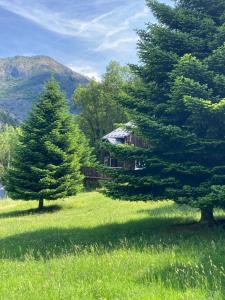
123, 136
119, 136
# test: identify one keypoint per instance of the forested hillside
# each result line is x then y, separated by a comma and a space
22, 79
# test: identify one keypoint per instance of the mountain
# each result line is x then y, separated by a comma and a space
22, 79
7, 119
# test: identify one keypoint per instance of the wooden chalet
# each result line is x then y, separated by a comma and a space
123, 135
120, 136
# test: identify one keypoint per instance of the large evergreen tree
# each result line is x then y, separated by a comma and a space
178, 107
46, 163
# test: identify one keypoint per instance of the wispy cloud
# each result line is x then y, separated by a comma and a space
113, 40
126, 24
110, 45
82, 34
107, 30
55, 21
89, 71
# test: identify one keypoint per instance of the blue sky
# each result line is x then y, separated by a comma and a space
82, 34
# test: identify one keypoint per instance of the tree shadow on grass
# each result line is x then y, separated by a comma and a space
32, 211
169, 209
158, 233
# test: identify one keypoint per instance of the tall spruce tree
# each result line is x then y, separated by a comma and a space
178, 107
47, 161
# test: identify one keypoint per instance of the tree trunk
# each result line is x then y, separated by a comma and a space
207, 215
41, 204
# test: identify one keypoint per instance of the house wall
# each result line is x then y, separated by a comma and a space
92, 175
135, 141
110, 161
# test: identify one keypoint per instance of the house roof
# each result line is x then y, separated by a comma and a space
118, 135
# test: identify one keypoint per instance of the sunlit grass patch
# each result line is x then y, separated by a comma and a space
92, 247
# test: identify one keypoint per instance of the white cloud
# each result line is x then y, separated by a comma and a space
88, 71
106, 31
126, 24
129, 36
55, 21
116, 45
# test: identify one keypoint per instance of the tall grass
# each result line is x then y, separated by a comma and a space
91, 247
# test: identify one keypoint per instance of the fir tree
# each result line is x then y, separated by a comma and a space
178, 106
47, 161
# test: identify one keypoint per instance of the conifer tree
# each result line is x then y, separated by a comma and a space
47, 161
178, 107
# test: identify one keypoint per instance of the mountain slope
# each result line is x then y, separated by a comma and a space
22, 79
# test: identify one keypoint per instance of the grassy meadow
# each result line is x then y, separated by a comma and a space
92, 247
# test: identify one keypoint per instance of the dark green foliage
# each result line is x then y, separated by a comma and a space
47, 161
179, 107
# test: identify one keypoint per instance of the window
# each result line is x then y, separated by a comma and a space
139, 165
107, 161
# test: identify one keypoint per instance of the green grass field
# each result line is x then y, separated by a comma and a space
92, 247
